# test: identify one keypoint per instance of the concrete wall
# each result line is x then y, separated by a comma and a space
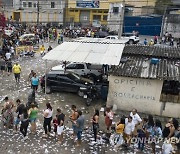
142, 94
114, 19
46, 13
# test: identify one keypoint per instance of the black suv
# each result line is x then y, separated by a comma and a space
64, 81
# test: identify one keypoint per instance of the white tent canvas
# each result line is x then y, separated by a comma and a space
87, 52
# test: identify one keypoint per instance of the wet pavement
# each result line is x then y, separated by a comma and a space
11, 142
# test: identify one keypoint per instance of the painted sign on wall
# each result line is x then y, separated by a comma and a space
134, 89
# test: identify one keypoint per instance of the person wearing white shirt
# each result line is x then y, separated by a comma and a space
129, 129
136, 118
8, 55
47, 119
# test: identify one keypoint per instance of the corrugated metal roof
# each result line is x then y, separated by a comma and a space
88, 52
152, 51
141, 67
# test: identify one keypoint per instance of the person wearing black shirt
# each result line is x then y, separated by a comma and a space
24, 123
19, 112
60, 127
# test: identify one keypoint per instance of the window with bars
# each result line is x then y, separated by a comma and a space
52, 4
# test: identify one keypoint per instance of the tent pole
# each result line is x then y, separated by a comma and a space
45, 77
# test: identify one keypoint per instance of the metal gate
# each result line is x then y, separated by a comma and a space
145, 25
85, 17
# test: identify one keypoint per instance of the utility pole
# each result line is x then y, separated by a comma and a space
163, 22
121, 22
38, 12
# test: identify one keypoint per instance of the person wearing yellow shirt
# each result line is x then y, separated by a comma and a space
42, 50
17, 70
119, 133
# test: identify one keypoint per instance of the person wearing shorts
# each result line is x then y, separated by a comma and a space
79, 127
60, 127
35, 82
33, 111
17, 70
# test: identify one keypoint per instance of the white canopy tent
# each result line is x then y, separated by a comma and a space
88, 51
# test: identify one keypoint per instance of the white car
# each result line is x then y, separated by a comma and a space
112, 37
132, 39
27, 36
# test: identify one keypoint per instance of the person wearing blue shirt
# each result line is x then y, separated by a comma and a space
35, 82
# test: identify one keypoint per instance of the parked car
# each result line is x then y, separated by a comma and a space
112, 37
94, 72
64, 81
133, 39
27, 39
100, 34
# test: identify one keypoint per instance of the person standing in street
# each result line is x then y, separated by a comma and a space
60, 127
128, 130
9, 66
35, 82
33, 112
24, 123
108, 120
119, 133
7, 113
8, 55
2, 65
47, 119
73, 117
17, 71
95, 123
42, 50
79, 124
19, 112
136, 120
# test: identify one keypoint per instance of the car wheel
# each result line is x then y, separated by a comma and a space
80, 93
48, 90
131, 42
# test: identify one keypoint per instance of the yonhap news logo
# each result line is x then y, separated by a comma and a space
156, 140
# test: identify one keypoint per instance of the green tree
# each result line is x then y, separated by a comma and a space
161, 5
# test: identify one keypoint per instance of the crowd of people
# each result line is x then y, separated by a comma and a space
123, 133
119, 133
166, 39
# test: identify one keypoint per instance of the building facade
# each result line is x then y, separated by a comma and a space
86, 12
148, 79
28, 10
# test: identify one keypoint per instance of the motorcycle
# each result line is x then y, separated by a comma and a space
89, 94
